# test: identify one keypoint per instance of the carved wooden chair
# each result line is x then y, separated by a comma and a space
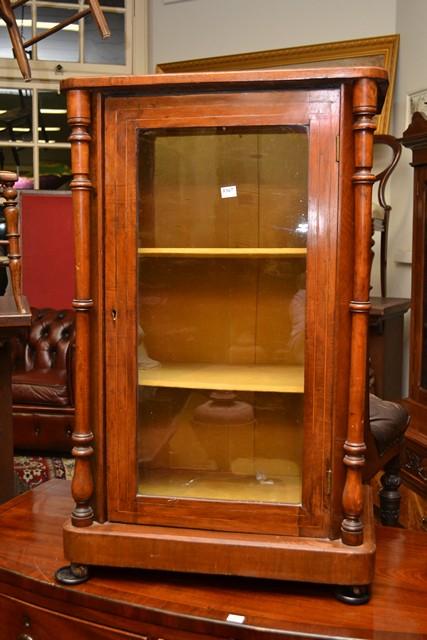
10, 238
384, 435
19, 46
381, 210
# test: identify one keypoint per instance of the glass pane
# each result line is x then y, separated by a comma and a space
24, 23
223, 446
53, 125
221, 304
20, 160
223, 188
16, 115
55, 172
63, 45
112, 3
108, 51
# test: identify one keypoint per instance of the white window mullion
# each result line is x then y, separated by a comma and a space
36, 159
81, 39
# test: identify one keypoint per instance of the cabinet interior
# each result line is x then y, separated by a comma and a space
221, 299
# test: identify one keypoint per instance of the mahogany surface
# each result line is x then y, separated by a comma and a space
125, 603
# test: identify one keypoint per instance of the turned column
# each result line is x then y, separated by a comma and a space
364, 109
78, 103
13, 236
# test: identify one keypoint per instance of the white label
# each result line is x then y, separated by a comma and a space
233, 617
229, 192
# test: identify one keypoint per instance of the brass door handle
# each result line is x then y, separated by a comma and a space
24, 636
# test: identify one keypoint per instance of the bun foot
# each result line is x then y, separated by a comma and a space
353, 594
72, 574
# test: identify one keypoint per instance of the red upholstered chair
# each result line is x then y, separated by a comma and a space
42, 382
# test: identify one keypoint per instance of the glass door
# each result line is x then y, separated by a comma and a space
221, 312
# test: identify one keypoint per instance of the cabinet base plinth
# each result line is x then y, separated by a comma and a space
302, 559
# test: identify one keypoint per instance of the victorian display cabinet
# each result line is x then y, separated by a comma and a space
223, 232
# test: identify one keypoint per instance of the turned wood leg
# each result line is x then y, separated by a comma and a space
389, 494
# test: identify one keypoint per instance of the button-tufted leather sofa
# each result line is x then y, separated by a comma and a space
42, 382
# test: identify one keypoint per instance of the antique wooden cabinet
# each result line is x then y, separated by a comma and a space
223, 229
414, 470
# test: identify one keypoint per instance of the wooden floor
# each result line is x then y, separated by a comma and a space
168, 606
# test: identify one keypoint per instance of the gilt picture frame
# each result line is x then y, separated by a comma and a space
380, 51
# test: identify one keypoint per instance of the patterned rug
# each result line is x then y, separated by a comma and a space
30, 471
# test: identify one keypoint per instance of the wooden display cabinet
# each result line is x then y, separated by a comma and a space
223, 232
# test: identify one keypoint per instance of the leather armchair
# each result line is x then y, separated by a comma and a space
43, 381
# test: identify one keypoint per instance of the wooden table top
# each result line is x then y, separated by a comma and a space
183, 605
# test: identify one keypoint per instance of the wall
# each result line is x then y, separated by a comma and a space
412, 76
187, 29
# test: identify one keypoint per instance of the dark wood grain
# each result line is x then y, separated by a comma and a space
178, 607
263, 77
386, 321
364, 109
414, 470
79, 118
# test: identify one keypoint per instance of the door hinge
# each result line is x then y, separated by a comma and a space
337, 148
328, 482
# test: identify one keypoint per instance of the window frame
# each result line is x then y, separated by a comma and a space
46, 76
135, 12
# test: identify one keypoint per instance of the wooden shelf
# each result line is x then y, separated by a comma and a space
222, 252
250, 377
193, 483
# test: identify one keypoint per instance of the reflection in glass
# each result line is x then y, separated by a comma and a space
108, 51
249, 448
63, 45
221, 311
223, 187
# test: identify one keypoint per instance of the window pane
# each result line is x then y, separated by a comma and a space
55, 172
19, 159
23, 20
16, 115
63, 45
110, 3
52, 117
108, 51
